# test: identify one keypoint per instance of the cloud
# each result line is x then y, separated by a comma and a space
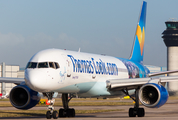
11, 39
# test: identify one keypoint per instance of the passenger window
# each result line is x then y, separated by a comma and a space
51, 65
31, 65
57, 65
43, 65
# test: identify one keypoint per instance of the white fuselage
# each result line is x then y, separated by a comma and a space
78, 72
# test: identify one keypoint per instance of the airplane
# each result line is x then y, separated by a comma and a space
90, 76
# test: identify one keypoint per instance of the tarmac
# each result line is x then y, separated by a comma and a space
167, 111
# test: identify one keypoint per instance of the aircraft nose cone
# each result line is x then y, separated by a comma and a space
35, 79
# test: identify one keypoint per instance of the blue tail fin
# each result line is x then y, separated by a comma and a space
138, 46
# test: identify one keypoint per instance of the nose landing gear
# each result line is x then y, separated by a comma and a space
63, 112
51, 113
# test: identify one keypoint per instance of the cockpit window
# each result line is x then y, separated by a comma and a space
43, 65
51, 65
54, 65
31, 65
57, 65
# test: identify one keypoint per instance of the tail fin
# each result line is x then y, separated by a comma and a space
138, 46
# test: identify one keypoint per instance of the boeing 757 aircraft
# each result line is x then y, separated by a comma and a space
90, 75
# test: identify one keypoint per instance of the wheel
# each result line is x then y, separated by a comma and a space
48, 115
55, 114
71, 112
141, 112
62, 113
132, 112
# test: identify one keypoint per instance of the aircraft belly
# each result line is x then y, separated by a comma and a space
76, 88
68, 89
85, 87
97, 90
100, 90
77, 83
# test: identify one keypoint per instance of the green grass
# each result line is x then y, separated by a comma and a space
91, 103
99, 103
6, 99
86, 102
95, 111
78, 104
173, 98
23, 113
91, 99
73, 102
8, 104
20, 113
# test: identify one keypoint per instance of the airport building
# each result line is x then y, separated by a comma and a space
9, 71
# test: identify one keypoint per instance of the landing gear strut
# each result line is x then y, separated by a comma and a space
51, 113
66, 111
140, 112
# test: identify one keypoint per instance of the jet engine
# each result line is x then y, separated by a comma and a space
22, 97
153, 95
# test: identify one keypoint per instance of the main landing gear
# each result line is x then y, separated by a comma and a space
65, 112
140, 112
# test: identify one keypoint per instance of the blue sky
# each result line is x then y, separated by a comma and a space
96, 26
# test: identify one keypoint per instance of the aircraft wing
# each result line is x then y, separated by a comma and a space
162, 73
128, 84
11, 80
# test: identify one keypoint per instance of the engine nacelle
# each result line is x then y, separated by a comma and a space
22, 97
153, 95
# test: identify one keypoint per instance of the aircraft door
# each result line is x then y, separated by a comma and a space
68, 65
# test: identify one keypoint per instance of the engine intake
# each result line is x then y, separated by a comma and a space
153, 95
22, 97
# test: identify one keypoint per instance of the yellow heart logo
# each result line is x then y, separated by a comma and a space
141, 37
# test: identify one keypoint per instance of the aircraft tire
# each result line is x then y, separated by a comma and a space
132, 112
48, 115
71, 112
141, 112
61, 113
55, 114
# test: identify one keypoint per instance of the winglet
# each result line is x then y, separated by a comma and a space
138, 46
